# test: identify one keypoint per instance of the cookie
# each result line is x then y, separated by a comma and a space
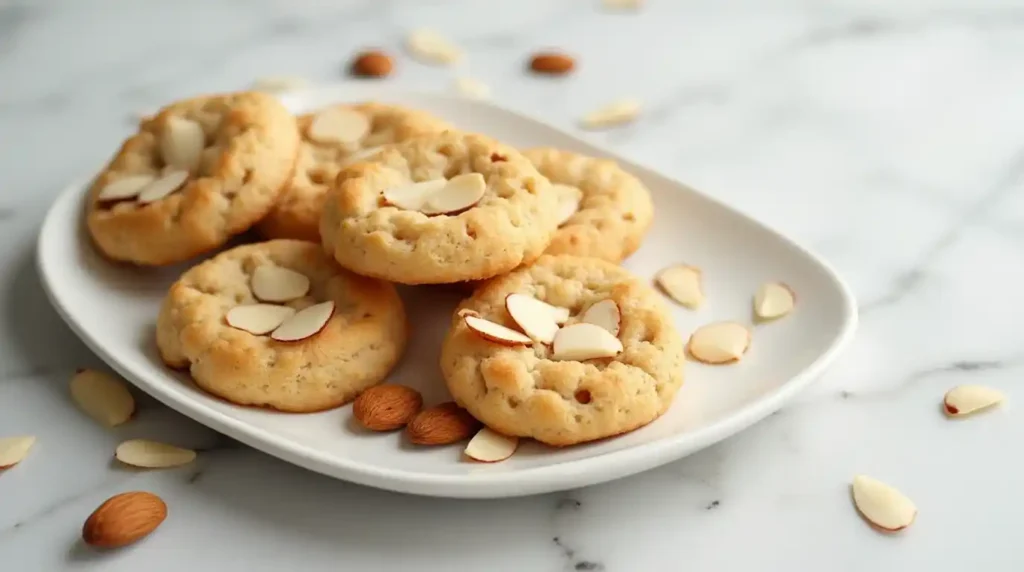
543, 390
604, 211
195, 174
356, 348
439, 209
331, 139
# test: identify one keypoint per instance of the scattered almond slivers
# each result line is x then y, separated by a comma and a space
280, 84
472, 88
305, 323
569, 199
623, 4
431, 47
537, 319
171, 182
338, 125
277, 284
181, 144
580, 342
125, 188
605, 314
102, 396
258, 319
153, 454
884, 507
773, 300
719, 342
439, 196
964, 400
489, 446
614, 114
14, 449
496, 333
683, 284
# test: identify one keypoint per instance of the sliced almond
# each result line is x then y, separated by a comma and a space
181, 144
305, 323
720, 342
569, 199
967, 399
471, 88
280, 84
773, 300
276, 284
430, 47
496, 333
534, 317
258, 319
169, 183
559, 314
14, 449
489, 446
461, 193
360, 155
623, 4
102, 396
683, 284
617, 113
605, 314
338, 125
580, 342
125, 188
413, 196
881, 505
152, 454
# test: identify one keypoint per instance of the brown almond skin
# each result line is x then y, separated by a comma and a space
124, 519
387, 407
442, 425
373, 63
552, 63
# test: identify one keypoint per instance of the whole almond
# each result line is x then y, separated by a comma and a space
387, 407
372, 63
552, 63
124, 519
442, 425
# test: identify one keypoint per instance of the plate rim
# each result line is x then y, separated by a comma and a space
533, 480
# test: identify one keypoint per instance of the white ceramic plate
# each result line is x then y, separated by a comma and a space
113, 309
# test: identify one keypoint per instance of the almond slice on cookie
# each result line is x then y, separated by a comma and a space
338, 125
580, 342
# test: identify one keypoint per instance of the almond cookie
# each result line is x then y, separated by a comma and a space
604, 211
564, 351
197, 173
439, 209
278, 324
332, 139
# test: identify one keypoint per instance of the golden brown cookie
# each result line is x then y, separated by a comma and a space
332, 139
439, 209
359, 343
604, 211
552, 391
195, 174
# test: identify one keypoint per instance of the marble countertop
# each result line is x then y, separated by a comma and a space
887, 136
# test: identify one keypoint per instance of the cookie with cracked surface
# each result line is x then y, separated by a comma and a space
510, 224
328, 146
524, 391
197, 173
614, 208
358, 346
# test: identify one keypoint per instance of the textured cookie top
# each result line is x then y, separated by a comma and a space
615, 209
511, 224
297, 213
522, 390
249, 143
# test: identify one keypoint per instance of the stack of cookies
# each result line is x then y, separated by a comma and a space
554, 342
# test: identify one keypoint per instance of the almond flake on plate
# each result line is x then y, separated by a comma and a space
489, 446
964, 400
472, 88
605, 314
613, 114
169, 183
125, 188
535, 317
496, 333
884, 507
258, 319
305, 323
719, 342
14, 449
431, 47
623, 4
280, 84
773, 300
683, 284
152, 454
277, 284
182, 143
102, 396
338, 125
580, 342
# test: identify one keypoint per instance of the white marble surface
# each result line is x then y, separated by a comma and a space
887, 135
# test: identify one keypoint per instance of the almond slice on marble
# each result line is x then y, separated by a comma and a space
623, 4
413, 196
612, 115
431, 47
152, 454
569, 199
258, 319
719, 342
280, 84
460, 193
489, 446
125, 188
472, 88
884, 507
181, 144
964, 400
683, 284
605, 314
535, 317
580, 342
170, 182
14, 449
102, 396
496, 333
277, 284
305, 323
773, 300
338, 125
